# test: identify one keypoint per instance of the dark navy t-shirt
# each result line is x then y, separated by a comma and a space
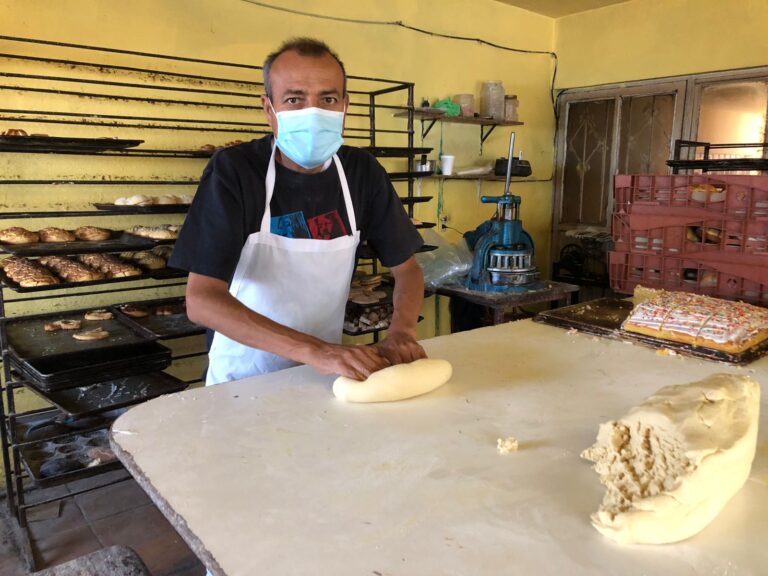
229, 206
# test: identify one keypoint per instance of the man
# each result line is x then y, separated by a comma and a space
266, 270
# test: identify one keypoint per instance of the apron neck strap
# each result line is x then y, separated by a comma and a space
266, 220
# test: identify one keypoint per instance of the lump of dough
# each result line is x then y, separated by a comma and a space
396, 382
672, 463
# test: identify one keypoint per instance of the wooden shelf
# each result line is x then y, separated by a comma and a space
476, 120
486, 124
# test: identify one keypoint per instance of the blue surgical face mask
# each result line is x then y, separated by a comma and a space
309, 136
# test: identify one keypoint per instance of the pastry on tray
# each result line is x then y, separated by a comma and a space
110, 265
162, 232
731, 327
27, 273
92, 233
53, 234
70, 270
18, 235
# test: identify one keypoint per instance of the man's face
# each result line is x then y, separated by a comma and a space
304, 82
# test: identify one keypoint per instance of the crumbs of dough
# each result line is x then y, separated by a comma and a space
507, 445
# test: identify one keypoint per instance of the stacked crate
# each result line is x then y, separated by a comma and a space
695, 233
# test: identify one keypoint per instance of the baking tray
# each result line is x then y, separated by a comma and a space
47, 423
167, 273
604, 316
60, 144
69, 371
150, 209
110, 395
64, 459
151, 241
5, 279
27, 339
176, 325
119, 242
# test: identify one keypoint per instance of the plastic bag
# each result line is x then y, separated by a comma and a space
445, 264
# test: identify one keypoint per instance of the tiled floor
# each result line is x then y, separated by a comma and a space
117, 514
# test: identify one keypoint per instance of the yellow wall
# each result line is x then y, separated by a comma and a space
656, 38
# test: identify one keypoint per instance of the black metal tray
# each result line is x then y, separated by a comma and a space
66, 458
119, 242
176, 325
69, 371
57, 144
27, 339
150, 241
48, 423
6, 280
604, 316
150, 209
110, 395
167, 273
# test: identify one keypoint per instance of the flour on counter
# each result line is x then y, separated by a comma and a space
672, 463
507, 445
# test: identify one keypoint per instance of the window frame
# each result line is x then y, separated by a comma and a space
688, 89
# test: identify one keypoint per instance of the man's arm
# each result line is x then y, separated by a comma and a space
400, 345
210, 304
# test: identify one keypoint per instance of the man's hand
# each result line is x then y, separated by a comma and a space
400, 348
356, 362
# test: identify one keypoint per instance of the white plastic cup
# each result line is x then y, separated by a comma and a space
446, 164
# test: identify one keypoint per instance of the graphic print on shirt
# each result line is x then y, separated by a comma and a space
327, 226
291, 225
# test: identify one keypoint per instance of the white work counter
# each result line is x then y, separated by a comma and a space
272, 475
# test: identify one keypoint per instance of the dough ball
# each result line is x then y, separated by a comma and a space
395, 382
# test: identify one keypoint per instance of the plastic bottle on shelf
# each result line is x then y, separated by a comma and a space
492, 101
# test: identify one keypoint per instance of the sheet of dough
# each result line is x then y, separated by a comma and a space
395, 382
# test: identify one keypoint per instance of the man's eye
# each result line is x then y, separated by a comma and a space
292, 100
330, 100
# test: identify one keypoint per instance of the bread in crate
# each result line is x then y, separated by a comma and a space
732, 327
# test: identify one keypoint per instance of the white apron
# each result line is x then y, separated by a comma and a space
298, 282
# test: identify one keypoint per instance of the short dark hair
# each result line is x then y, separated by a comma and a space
305, 47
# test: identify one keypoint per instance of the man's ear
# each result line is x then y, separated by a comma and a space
269, 112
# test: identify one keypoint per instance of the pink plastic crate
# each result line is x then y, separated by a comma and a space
709, 274
680, 232
740, 197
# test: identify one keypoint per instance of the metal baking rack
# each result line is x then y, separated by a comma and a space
173, 105
684, 149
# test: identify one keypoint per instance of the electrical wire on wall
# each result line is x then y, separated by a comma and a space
401, 24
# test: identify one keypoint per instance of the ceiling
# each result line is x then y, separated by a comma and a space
558, 8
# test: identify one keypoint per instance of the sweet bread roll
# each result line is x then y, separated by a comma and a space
134, 311
18, 235
138, 200
100, 314
26, 273
56, 235
186, 198
14, 132
110, 265
122, 201
70, 270
92, 233
163, 232
168, 199
62, 325
95, 334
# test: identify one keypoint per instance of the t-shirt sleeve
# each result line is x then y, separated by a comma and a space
390, 232
213, 233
